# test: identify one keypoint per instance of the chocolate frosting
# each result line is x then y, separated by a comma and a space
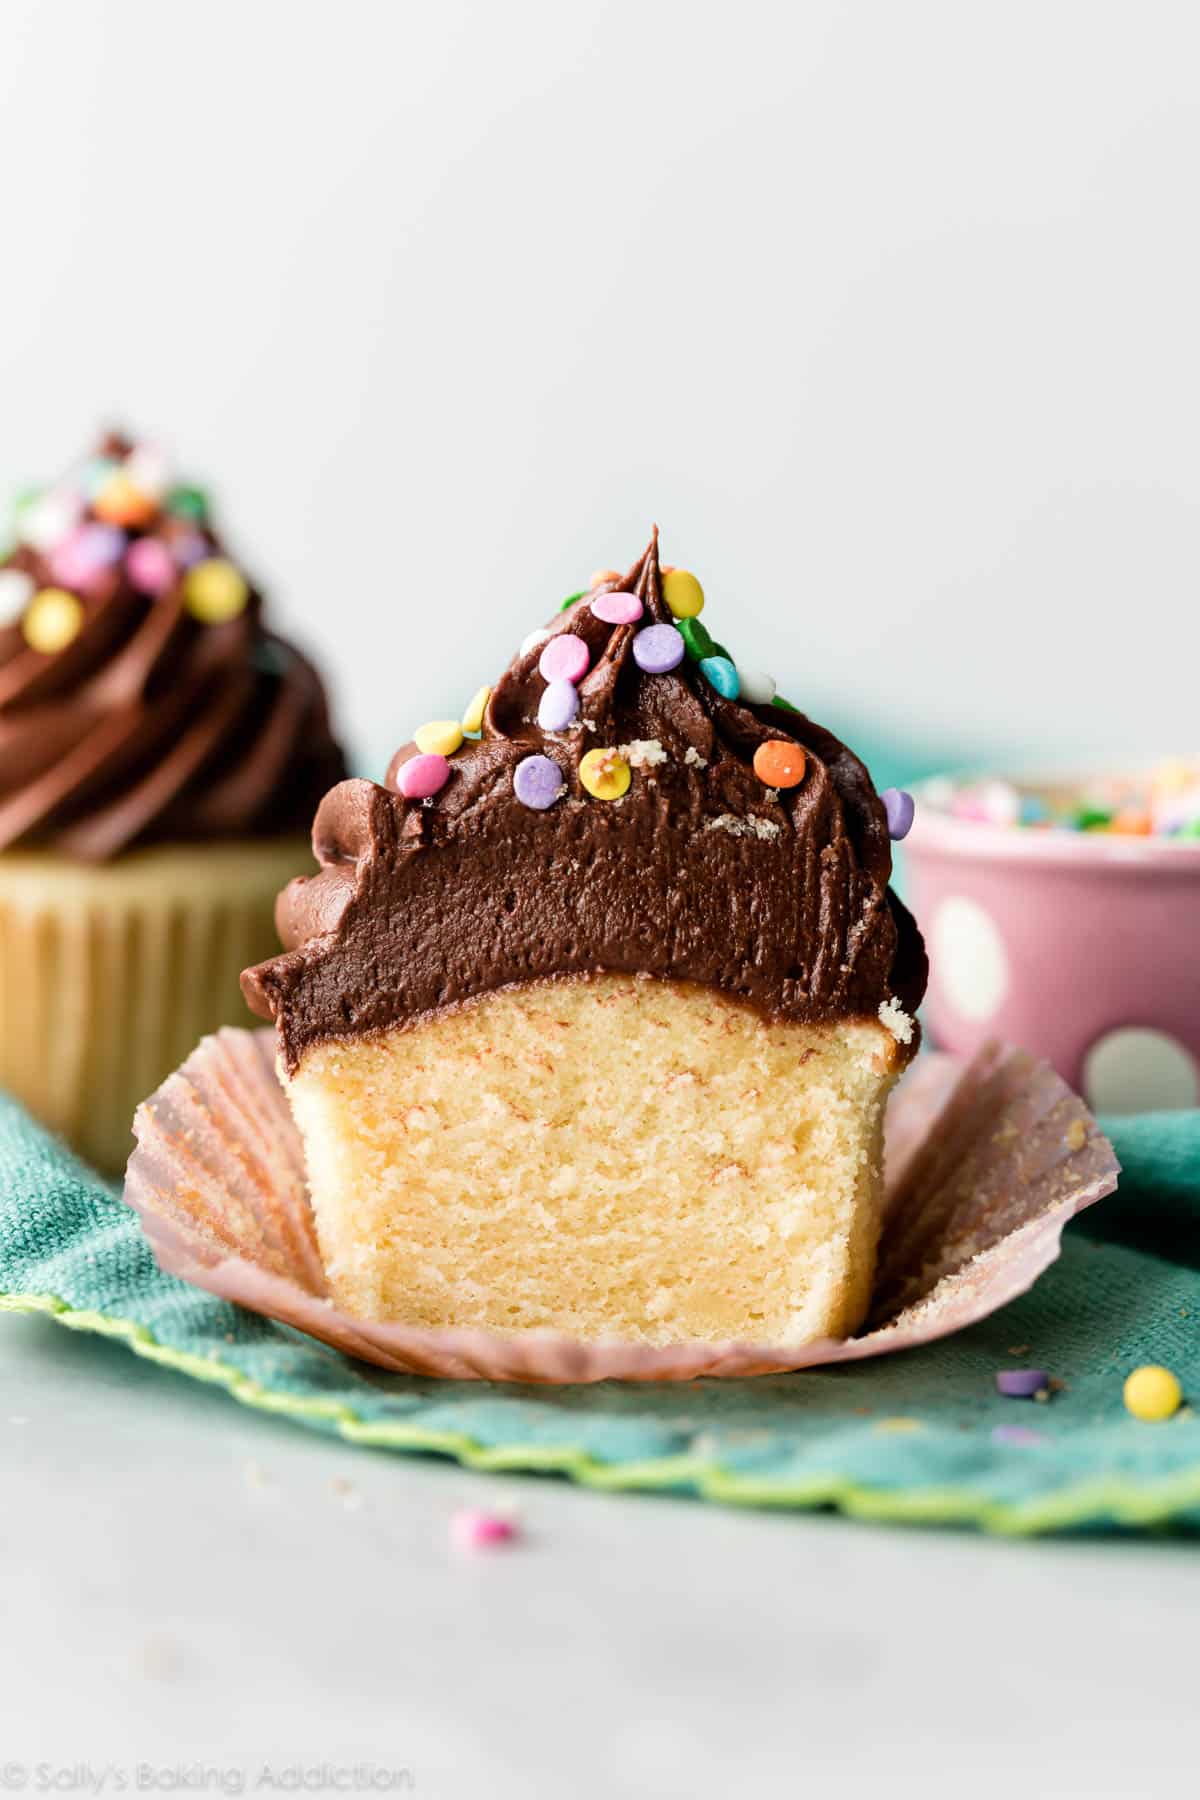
151, 725
699, 873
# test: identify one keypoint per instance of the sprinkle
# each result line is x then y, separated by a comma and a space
1017, 1437
1152, 1393
190, 549
148, 469
683, 594
605, 774
1021, 1384
644, 753
693, 758
538, 782
721, 674
618, 608
571, 599
472, 719
533, 642
441, 737
53, 620
16, 591
472, 1528
120, 502
559, 706
422, 776
214, 591
899, 807
188, 503
697, 640
89, 552
565, 658
757, 687
658, 649
779, 763
96, 473
598, 577
48, 519
150, 566
751, 826
893, 1018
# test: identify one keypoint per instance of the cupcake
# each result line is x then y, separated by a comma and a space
161, 753
589, 1018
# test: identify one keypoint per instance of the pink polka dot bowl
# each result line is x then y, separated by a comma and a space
1081, 946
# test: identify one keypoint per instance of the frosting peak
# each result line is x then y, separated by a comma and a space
142, 698
623, 809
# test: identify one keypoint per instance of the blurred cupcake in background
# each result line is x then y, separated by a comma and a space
161, 756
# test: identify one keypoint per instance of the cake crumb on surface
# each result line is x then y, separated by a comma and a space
893, 1016
643, 753
693, 758
751, 826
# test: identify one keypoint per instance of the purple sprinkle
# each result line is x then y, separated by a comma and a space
1021, 1384
617, 608
86, 554
565, 658
538, 782
899, 807
1020, 1437
558, 707
658, 649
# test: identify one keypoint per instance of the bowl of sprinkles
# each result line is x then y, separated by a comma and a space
1063, 913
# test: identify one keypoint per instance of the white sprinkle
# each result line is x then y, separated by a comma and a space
693, 758
751, 826
16, 591
756, 686
534, 641
643, 753
893, 1016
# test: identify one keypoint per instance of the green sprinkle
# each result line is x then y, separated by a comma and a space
571, 599
25, 499
1092, 818
784, 705
696, 639
1190, 830
188, 503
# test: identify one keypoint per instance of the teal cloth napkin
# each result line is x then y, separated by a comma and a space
905, 1437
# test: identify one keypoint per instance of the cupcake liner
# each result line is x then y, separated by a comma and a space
986, 1164
108, 974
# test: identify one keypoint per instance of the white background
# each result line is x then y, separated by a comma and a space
886, 313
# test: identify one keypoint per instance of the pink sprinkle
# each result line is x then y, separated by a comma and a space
422, 776
565, 658
617, 609
150, 566
473, 1529
1018, 1437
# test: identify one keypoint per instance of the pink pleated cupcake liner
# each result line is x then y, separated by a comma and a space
986, 1163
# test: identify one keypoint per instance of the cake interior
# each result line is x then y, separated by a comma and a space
612, 1156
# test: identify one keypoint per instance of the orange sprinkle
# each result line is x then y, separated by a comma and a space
1135, 823
119, 502
779, 764
598, 577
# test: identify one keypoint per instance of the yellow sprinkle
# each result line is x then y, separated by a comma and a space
1153, 1393
1076, 1134
472, 719
683, 594
605, 774
441, 737
897, 1427
214, 591
52, 620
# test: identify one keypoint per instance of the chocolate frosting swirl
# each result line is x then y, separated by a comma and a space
699, 872
151, 725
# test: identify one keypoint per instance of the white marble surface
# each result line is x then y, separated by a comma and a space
188, 1583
